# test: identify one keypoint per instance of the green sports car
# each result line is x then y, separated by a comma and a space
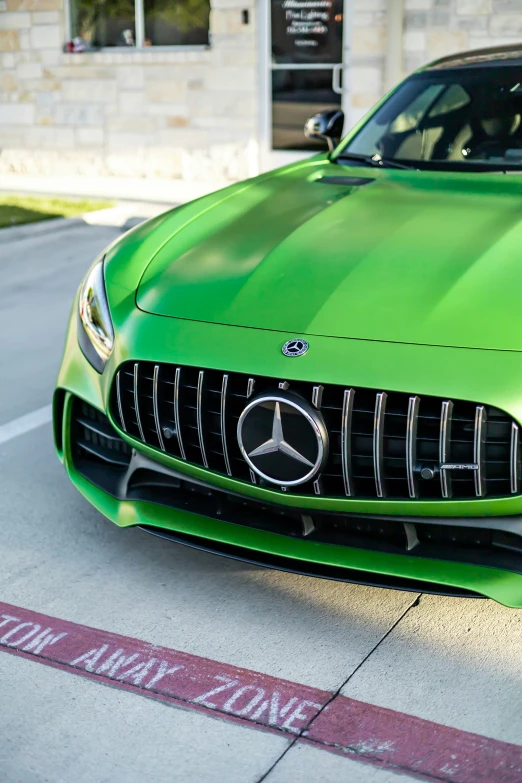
320, 369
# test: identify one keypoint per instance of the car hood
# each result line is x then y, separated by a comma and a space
406, 257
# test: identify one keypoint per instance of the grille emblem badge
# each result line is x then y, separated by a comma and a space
283, 438
278, 443
459, 466
296, 347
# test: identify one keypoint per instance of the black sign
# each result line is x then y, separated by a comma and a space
307, 31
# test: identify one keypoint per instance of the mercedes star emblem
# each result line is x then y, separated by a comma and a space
296, 347
283, 438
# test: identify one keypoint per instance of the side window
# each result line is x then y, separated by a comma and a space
110, 23
176, 24
96, 24
409, 118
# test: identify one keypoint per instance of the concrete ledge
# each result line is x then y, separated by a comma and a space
167, 192
125, 216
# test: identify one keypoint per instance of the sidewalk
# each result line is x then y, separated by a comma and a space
166, 191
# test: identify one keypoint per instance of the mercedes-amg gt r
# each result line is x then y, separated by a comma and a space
320, 369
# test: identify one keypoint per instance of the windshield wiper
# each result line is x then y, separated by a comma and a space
374, 160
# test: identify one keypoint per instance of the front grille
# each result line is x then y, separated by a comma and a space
382, 444
107, 461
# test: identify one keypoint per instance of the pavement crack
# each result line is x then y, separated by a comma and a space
336, 693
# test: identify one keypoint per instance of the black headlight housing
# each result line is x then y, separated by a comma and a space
95, 330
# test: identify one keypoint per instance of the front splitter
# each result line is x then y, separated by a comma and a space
313, 558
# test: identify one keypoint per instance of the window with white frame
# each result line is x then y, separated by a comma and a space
137, 23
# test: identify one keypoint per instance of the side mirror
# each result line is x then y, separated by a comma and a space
327, 126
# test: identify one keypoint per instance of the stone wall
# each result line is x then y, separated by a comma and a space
186, 112
368, 47
431, 29
192, 112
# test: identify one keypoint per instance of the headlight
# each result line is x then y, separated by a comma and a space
95, 332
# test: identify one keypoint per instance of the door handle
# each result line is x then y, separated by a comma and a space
337, 78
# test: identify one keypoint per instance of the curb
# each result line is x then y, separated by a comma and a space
116, 217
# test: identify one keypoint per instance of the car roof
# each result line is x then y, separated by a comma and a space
495, 55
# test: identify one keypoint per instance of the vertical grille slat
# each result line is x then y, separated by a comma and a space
317, 396
478, 450
381, 444
118, 396
223, 422
155, 406
346, 439
513, 455
136, 400
177, 421
444, 446
199, 417
378, 442
411, 444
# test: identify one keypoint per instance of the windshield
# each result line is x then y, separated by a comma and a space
461, 119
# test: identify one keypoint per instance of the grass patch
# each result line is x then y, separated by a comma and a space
17, 210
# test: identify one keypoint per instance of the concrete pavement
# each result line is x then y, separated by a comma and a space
453, 661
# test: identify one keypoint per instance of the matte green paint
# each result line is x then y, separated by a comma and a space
413, 257
385, 280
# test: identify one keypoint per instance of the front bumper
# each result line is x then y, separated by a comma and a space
438, 371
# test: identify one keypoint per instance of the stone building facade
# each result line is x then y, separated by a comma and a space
428, 29
202, 112
187, 112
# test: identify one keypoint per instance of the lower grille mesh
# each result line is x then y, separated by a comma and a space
382, 444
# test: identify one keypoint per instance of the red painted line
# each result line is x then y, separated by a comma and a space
160, 672
361, 731
395, 740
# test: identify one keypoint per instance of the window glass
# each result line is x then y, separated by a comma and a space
307, 31
409, 118
296, 96
469, 118
454, 97
176, 22
400, 114
103, 22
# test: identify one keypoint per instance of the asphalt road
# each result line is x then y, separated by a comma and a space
457, 662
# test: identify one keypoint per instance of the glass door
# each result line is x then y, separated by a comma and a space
305, 70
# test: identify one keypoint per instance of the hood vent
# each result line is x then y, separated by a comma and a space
352, 181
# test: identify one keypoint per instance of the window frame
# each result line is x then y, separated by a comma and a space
139, 27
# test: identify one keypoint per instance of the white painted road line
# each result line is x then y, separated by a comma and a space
25, 423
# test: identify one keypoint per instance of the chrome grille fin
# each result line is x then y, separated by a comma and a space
444, 446
478, 450
137, 401
177, 421
411, 444
199, 415
378, 442
156, 409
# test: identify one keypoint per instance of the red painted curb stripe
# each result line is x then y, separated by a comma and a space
399, 741
158, 671
364, 732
